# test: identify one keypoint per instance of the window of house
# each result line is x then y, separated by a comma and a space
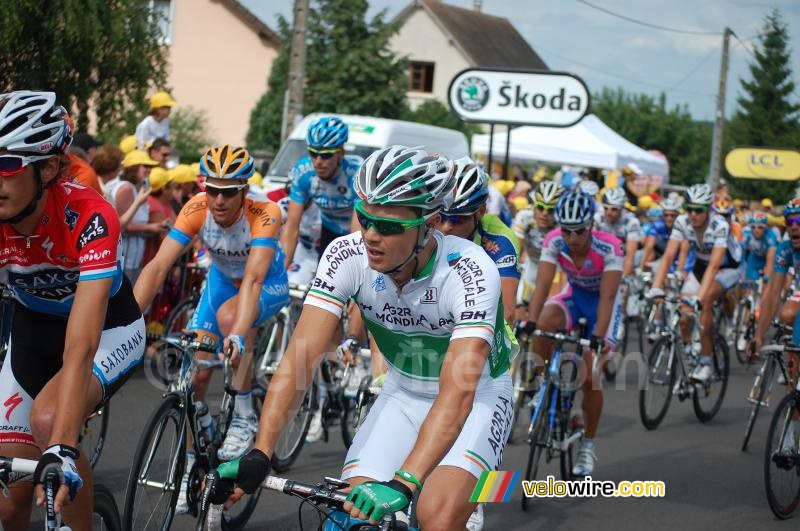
420, 76
163, 15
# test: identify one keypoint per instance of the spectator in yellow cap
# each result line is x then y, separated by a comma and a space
184, 179
160, 209
128, 193
156, 124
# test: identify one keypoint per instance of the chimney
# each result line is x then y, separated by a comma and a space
477, 5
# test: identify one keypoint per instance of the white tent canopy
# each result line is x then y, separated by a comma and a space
589, 143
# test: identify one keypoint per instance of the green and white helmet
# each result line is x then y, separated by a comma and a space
402, 176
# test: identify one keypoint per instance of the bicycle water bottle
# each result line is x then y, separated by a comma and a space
206, 423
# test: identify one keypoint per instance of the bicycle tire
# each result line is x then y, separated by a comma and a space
741, 355
235, 521
104, 510
537, 445
349, 420
721, 361
291, 443
169, 410
781, 509
656, 362
763, 381
93, 451
179, 317
567, 456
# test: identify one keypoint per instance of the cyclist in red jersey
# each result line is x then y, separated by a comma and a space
77, 333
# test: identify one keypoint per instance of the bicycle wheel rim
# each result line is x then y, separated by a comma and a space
708, 397
293, 437
157, 463
764, 382
782, 485
537, 446
655, 390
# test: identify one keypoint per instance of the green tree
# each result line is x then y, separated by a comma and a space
189, 133
433, 112
647, 122
102, 54
349, 69
766, 115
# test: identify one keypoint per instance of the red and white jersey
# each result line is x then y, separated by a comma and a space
76, 239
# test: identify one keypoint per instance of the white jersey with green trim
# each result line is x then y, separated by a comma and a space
456, 295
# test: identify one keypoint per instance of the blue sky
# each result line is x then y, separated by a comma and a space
607, 51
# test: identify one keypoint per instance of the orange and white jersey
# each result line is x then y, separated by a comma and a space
258, 226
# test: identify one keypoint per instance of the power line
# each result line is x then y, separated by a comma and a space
642, 23
743, 45
623, 78
693, 70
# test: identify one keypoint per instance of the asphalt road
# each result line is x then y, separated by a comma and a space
710, 483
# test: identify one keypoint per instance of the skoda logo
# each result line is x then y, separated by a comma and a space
473, 94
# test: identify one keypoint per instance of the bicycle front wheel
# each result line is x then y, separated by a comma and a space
708, 396
538, 444
742, 321
105, 514
655, 391
155, 477
178, 319
758, 394
782, 458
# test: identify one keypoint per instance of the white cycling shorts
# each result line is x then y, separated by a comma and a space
392, 426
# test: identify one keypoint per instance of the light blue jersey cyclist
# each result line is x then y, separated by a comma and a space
759, 247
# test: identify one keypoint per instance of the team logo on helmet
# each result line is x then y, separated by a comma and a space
473, 93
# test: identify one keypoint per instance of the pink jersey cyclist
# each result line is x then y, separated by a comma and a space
582, 292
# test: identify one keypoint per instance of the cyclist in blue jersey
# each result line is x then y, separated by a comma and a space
657, 237
759, 247
324, 177
467, 218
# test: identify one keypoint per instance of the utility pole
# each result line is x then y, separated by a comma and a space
719, 122
293, 101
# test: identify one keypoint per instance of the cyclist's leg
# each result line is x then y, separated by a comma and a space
716, 291
559, 313
689, 291
444, 500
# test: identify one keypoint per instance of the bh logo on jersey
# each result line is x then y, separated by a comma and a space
429, 297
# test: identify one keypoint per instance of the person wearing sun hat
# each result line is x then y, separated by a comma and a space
184, 179
128, 193
156, 123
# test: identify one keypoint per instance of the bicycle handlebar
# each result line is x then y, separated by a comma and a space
564, 338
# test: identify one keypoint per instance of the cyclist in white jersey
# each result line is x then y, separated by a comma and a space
716, 268
432, 304
615, 220
531, 225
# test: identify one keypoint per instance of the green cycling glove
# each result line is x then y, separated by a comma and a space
378, 499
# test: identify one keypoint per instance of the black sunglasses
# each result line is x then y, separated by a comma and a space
574, 232
324, 153
227, 192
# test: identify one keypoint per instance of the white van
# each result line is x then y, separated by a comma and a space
366, 135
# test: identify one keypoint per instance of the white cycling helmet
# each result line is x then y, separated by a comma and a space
671, 204
31, 122
614, 197
471, 187
402, 176
699, 194
589, 187
574, 209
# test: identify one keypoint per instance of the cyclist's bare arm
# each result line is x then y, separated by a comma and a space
649, 252
291, 230
544, 279
683, 256
508, 286
714, 263
155, 272
609, 286
630, 256
769, 267
769, 305
461, 372
666, 260
310, 340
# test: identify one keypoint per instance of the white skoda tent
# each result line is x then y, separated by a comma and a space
589, 143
